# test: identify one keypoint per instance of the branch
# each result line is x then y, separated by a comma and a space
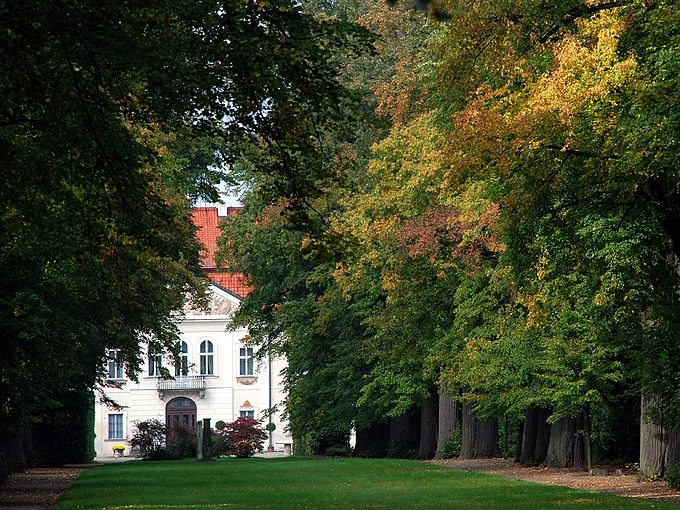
580, 12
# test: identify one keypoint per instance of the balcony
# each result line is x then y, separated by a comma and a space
182, 383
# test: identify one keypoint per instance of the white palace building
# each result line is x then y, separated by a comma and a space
218, 378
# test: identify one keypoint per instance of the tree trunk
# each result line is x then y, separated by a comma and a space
486, 444
588, 432
672, 447
448, 420
543, 439
428, 429
659, 445
480, 438
566, 449
374, 441
12, 453
518, 444
536, 436
469, 433
530, 434
405, 434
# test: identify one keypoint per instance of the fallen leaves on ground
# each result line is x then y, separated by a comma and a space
625, 484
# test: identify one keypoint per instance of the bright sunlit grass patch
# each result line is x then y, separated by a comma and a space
294, 482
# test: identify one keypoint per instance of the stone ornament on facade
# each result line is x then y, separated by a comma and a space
217, 306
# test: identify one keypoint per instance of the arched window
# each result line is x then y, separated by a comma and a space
207, 362
183, 367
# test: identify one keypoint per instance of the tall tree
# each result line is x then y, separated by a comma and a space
114, 116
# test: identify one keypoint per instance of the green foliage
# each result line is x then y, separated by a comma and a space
305, 445
64, 434
407, 449
451, 447
616, 429
115, 117
150, 437
342, 449
296, 309
514, 235
180, 441
673, 476
242, 438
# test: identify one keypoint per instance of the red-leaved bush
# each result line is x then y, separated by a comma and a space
241, 438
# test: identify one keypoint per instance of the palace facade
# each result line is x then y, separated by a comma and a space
218, 377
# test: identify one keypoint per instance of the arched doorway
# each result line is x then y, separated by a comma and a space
180, 410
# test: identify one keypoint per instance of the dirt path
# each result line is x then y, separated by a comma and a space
37, 489
616, 482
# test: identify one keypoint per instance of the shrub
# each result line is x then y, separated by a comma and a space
149, 437
342, 450
181, 441
673, 476
63, 432
241, 438
305, 445
404, 450
452, 446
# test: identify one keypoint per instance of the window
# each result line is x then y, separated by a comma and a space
183, 367
155, 362
206, 359
115, 367
247, 414
246, 366
115, 426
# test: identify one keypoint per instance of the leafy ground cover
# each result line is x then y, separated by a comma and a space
294, 482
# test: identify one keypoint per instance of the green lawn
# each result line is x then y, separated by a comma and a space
294, 482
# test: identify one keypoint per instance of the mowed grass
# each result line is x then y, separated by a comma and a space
295, 482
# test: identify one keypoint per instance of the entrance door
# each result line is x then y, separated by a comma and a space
181, 410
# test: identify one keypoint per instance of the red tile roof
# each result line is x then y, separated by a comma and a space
207, 219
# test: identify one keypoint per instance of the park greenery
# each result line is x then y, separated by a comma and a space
295, 482
154, 440
115, 116
458, 216
242, 438
498, 248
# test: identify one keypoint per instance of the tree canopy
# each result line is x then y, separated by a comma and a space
513, 237
115, 116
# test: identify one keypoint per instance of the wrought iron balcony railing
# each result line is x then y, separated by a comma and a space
182, 383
